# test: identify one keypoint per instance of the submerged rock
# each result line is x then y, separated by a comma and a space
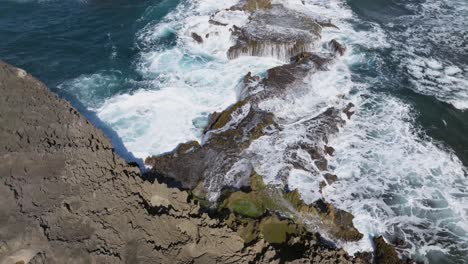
336, 47
197, 38
276, 32
217, 23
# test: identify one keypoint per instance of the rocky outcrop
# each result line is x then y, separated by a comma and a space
231, 132
66, 197
223, 160
197, 37
385, 253
274, 31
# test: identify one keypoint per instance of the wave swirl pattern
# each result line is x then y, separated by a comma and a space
185, 81
432, 43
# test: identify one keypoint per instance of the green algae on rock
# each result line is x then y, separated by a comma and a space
276, 231
251, 204
252, 5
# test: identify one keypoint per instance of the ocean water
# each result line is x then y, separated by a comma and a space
133, 68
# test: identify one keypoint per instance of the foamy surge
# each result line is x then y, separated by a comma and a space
435, 49
398, 183
394, 179
185, 83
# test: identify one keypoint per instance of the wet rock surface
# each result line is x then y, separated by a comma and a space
220, 172
231, 132
223, 160
275, 31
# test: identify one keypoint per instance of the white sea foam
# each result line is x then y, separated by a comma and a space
93, 89
398, 183
314, 94
445, 81
435, 49
185, 83
395, 180
273, 156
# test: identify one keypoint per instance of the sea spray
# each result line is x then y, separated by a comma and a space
185, 83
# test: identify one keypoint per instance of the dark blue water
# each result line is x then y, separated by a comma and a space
90, 51
426, 39
434, 30
61, 40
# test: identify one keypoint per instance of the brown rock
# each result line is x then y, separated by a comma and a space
385, 253
336, 47
329, 150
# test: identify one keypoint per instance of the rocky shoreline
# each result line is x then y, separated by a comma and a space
67, 197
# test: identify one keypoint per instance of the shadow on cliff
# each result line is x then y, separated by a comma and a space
91, 116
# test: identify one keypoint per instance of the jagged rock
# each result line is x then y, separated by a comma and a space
340, 223
349, 110
337, 222
336, 47
386, 253
329, 150
275, 32
229, 133
218, 163
330, 178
